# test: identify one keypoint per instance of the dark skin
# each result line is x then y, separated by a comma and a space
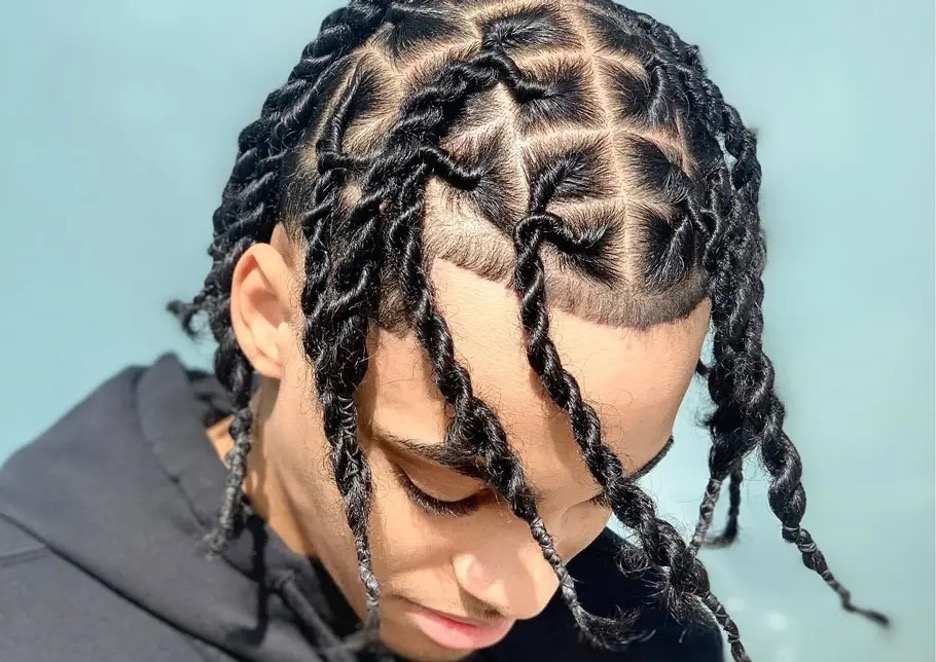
473, 559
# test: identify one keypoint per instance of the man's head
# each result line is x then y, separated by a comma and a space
471, 558
501, 229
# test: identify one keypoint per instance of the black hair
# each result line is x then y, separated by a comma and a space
641, 186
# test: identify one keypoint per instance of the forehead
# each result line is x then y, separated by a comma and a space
634, 379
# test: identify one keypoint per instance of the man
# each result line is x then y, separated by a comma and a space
102, 551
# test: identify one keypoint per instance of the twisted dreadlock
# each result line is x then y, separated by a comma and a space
642, 188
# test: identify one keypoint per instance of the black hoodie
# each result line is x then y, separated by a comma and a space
102, 519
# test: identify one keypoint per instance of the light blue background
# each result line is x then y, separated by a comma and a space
119, 122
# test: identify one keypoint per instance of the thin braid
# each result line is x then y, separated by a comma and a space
352, 475
234, 372
233, 365
245, 216
748, 412
336, 333
682, 61
733, 265
707, 508
474, 425
317, 224
686, 581
729, 448
475, 428
730, 532
729, 626
709, 206
338, 301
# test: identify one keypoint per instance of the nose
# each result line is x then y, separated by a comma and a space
507, 571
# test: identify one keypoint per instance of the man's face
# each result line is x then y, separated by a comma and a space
470, 559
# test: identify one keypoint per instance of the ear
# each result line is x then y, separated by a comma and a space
261, 309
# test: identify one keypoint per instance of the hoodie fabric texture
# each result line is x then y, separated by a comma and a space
102, 519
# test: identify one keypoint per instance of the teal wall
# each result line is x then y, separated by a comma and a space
119, 123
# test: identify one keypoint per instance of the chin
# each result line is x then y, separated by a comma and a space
425, 651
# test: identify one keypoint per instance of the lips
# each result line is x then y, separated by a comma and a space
457, 632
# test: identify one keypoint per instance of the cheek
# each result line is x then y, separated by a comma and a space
298, 454
410, 552
408, 545
303, 465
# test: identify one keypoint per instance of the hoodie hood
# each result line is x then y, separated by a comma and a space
126, 485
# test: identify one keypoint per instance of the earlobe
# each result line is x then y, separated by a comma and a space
260, 310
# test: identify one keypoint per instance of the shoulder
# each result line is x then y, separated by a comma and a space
52, 610
54, 492
601, 588
91, 424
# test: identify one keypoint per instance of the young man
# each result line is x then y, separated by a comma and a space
102, 551
462, 272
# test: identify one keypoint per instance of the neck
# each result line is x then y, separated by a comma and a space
261, 485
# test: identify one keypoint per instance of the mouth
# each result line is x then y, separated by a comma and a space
458, 632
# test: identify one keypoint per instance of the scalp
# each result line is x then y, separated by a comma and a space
607, 122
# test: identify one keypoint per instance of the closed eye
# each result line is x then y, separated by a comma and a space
470, 504
434, 505
459, 507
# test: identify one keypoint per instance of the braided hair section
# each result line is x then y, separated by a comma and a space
247, 214
748, 412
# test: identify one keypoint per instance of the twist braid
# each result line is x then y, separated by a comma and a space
747, 411
725, 216
485, 442
245, 216
474, 427
686, 580
738, 652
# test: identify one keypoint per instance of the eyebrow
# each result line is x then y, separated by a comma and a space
442, 454
447, 456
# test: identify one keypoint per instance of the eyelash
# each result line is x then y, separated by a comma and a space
431, 504
462, 507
